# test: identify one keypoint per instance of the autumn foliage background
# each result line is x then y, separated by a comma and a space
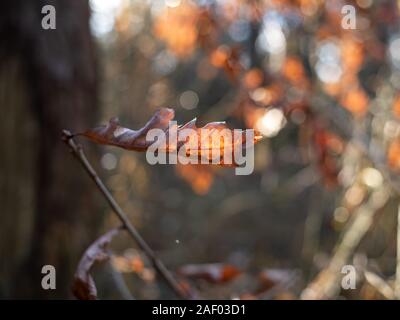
325, 189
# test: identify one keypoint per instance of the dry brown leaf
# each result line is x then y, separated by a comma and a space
83, 286
115, 135
178, 29
393, 155
200, 146
212, 272
199, 177
356, 101
272, 277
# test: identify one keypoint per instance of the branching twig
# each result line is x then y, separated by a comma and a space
77, 151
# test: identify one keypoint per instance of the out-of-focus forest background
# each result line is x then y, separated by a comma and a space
325, 189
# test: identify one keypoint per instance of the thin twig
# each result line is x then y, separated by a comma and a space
77, 151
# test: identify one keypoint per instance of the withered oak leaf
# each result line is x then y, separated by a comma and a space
83, 286
197, 144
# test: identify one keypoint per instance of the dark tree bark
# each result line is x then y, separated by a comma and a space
48, 82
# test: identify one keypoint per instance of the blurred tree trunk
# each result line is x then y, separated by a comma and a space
47, 83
